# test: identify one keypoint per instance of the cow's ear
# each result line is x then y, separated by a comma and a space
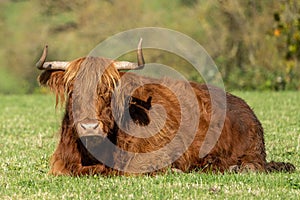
55, 81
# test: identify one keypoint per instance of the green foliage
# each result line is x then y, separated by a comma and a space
249, 40
29, 123
287, 31
251, 55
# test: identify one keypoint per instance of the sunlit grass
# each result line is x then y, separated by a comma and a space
28, 127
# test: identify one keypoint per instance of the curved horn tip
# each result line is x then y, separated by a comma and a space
140, 57
124, 65
42, 60
45, 48
140, 43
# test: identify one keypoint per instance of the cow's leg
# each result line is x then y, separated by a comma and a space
251, 167
90, 170
60, 166
76, 169
249, 164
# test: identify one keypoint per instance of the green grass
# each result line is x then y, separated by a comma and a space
28, 126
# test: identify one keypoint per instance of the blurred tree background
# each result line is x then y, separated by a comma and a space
255, 43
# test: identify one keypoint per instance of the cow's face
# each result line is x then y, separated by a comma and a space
87, 85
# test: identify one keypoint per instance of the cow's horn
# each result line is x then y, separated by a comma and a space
42, 60
129, 65
55, 65
140, 57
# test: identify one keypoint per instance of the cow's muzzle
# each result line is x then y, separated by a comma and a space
90, 132
94, 140
90, 127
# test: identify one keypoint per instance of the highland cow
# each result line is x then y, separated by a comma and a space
123, 123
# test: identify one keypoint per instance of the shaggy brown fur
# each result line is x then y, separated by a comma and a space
240, 146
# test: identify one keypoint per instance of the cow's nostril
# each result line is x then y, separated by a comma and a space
89, 126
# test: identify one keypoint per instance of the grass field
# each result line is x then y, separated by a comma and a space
28, 126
